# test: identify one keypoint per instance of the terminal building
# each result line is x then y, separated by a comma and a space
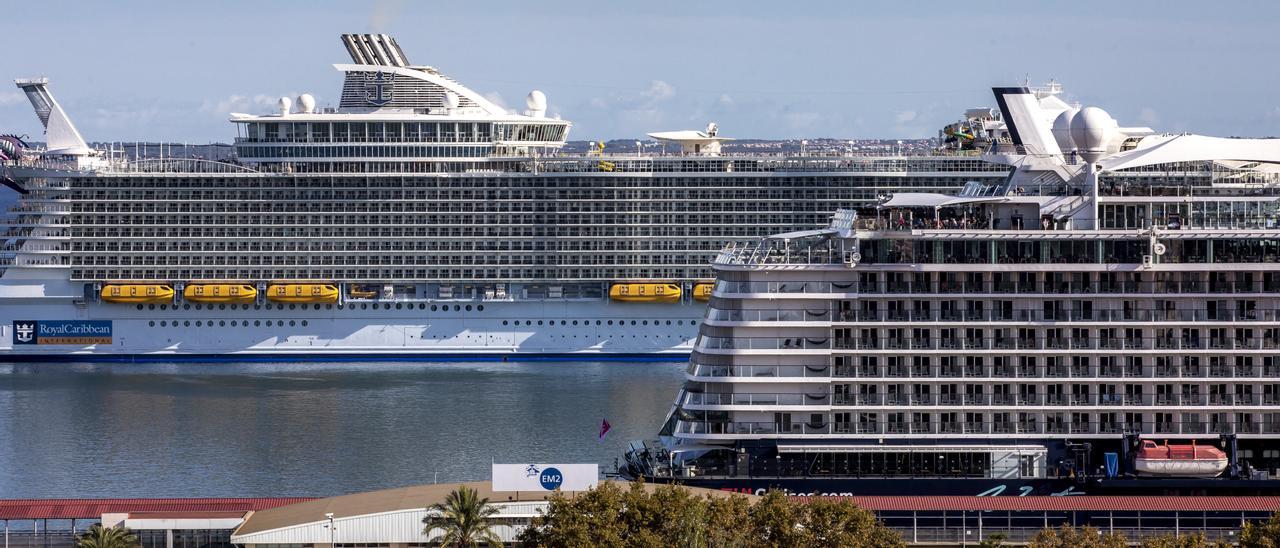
392, 518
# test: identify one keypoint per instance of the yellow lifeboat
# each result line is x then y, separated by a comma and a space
645, 292
220, 293
702, 291
303, 293
137, 293
359, 292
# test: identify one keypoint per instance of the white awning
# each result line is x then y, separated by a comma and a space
1163, 149
917, 199
803, 234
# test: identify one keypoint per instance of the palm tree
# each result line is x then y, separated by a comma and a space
107, 537
465, 519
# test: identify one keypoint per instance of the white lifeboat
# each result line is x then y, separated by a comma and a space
1179, 461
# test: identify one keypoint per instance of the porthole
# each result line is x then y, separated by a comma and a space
317, 307
457, 308
139, 307
291, 323
186, 307
329, 307
233, 323
186, 323
199, 307
257, 323
256, 307
668, 322
222, 323
528, 322
433, 308
504, 322
575, 322
197, 323
422, 306
479, 308
539, 322
151, 323
339, 307
646, 322
598, 322
222, 307
399, 306
164, 307
280, 323
468, 308
164, 323
364, 306
304, 323
610, 322
293, 307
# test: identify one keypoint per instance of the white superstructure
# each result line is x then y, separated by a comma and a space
414, 217
1120, 285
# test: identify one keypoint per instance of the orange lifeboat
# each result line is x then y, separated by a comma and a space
1179, 461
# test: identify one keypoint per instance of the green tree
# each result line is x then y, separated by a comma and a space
775, 521
1196, 540
1261, 535
465, 520
994, 540
839, 522
98, 536
1070, 537
590, 518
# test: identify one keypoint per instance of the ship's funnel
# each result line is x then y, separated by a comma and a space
374, 49
61, 136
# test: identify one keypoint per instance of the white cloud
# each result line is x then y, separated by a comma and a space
12, 98
659, 91
1149, 116
905, 117
496, 98
241, 103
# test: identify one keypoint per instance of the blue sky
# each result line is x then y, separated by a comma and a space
129, 70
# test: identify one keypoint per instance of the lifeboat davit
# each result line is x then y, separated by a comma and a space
702, 291
360, 292
303, 293
220, 293
1179, 461
137, 293
645, 292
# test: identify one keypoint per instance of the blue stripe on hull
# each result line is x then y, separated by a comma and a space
369, 357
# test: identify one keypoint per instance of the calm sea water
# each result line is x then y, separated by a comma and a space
206, 430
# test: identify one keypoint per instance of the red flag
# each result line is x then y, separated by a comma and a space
604, 427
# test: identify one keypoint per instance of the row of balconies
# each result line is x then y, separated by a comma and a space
968, 316
825, 373
1034, 287
1057, 428
986, 343
697, 400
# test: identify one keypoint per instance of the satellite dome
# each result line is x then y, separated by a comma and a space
1092, 129
284, 104
1062, 129
307, 103
536, 100
450, 100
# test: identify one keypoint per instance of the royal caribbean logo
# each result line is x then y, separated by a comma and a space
377, 87
79, 332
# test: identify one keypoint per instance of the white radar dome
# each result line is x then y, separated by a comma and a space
1092, 129
307, 103
536, 100
450, 100
284, 104
1062, 129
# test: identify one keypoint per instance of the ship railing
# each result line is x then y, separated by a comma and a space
749, 428
739, 398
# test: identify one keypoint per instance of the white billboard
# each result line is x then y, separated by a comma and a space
545, 477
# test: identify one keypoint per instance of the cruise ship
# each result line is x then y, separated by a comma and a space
1102, 322
416, 218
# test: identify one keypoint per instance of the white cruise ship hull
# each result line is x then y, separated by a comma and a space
69, 328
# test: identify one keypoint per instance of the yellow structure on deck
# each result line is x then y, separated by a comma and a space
303, 293
137, 294
220, 293
360, 292
645, 292
702, 291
